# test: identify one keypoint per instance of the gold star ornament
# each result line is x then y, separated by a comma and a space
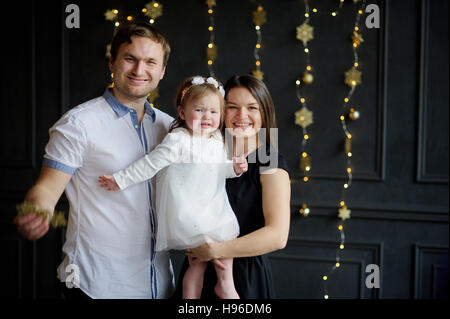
304, 117
344, 213
353, 77
305, 32
258, 74
357, 39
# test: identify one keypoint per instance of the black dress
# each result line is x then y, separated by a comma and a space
252, 275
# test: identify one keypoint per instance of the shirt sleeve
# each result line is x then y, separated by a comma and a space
164, 154
230, 173
67, 145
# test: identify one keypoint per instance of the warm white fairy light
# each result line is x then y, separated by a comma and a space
259, 18
211, 50
304, 116
352, 80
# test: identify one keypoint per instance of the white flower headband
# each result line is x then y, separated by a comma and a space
198, 80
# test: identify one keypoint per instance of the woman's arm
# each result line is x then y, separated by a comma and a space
276, 193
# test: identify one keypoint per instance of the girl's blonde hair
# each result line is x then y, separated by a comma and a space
188, 90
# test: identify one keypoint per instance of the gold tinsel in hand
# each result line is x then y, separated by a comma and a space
56, 219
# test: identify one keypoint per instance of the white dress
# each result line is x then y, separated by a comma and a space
192, 205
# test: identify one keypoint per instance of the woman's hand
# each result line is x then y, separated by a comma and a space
202, 253
206, 252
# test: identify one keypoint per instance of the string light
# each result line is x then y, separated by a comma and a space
352, 79
304, 116
259, 18
211, 49
153, 10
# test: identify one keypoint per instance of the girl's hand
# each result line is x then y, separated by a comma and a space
240, 164
108, 182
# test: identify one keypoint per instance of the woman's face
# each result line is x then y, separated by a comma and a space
242, 113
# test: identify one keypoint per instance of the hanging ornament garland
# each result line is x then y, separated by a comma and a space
352, 79
211, 50
259, 18
304, 116
152, 10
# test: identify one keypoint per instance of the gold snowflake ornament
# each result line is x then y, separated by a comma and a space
259, 16
353, 77
110, 15
210, 3
344, 213
304, 117
305, 32
154, 9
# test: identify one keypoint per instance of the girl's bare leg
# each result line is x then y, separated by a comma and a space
224, 288
193, 280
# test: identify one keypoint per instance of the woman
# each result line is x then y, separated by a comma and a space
259, 198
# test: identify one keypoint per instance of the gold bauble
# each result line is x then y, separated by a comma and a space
304, 211
307, 78
353, 115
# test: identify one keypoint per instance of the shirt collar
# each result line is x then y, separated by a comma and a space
121, 109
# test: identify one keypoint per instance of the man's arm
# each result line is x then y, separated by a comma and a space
44, 195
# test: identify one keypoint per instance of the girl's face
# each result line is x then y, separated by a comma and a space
242, 113
202, 114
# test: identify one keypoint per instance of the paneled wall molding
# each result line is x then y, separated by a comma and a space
374, 250
420, 269
378, 212
422, 176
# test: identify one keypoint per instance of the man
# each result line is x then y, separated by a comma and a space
110, 235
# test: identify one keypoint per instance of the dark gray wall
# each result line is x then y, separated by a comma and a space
399, 197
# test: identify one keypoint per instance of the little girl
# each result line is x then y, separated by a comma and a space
191, 201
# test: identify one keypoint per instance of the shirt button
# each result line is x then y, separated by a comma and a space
136, 126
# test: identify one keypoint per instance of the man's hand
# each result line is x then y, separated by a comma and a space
240, 164
31, 226
44, 195
108, 182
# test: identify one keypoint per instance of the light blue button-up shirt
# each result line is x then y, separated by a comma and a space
110, 235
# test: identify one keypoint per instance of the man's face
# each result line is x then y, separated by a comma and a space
138, 68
